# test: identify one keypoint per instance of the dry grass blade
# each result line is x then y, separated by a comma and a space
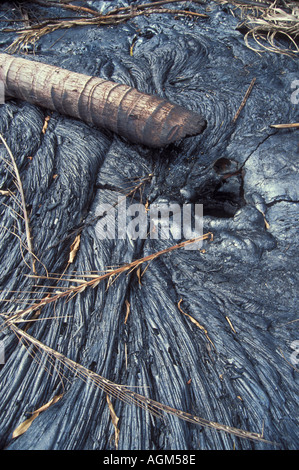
110, 388
23, 202
30, 35
266, 21
128, 309
74, 248
79, 285
115, 420
24, 245
271, 23
195, 323
128, 396
27, 423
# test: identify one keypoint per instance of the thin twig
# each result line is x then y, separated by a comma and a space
244, 99
285, 126
66, 6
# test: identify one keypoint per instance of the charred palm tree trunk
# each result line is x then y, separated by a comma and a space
139, 117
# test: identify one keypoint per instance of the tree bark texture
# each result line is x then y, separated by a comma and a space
139, 117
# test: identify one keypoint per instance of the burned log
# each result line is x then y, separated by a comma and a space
141, 118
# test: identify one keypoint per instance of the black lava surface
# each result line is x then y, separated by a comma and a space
242, 287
